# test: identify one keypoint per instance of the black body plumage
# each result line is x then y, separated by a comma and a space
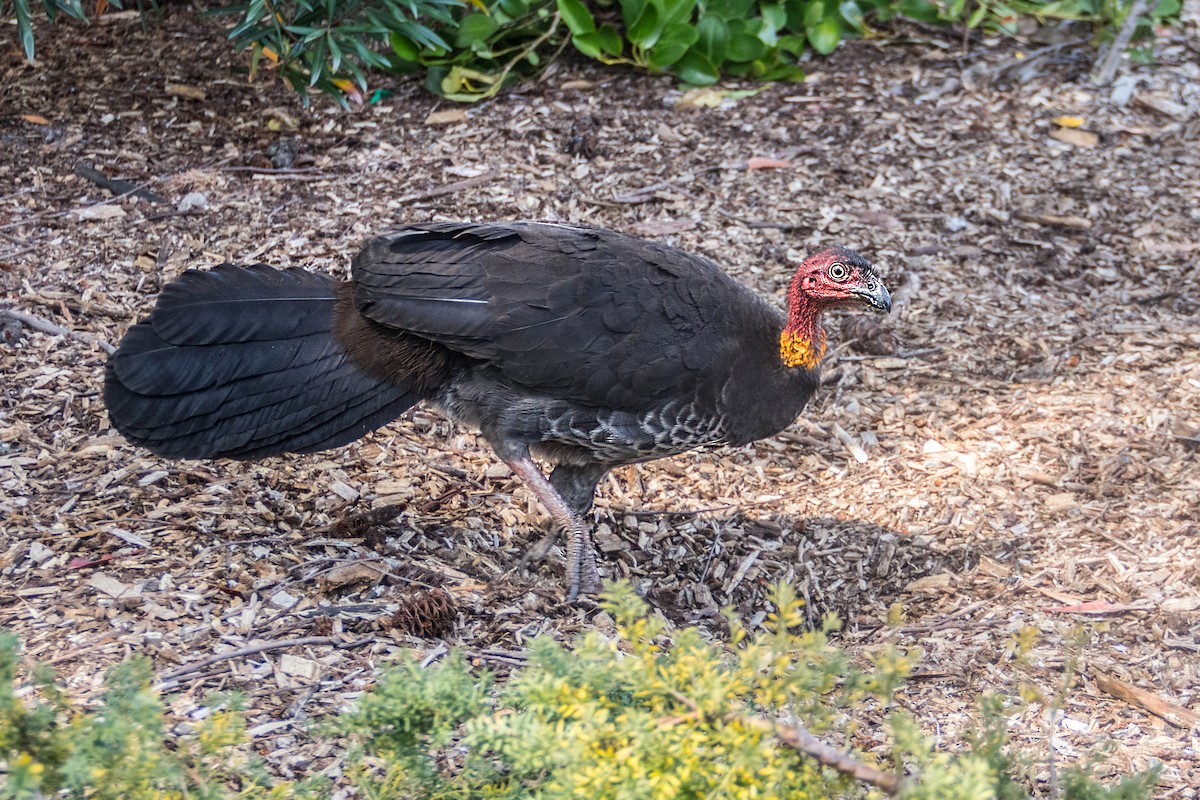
587, 346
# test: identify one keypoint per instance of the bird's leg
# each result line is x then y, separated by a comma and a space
582, 575
576, 484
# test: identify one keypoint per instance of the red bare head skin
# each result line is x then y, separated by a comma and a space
831, 278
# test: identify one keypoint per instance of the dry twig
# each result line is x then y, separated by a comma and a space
800, 740
46, 326
262, 647
1174, 714
1109, 59
450, 188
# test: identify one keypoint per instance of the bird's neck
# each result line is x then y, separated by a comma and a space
802, 340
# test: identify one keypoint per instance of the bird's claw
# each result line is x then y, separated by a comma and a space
582, 574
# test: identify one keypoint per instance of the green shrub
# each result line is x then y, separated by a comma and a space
23, 15
640, 712
643, 714
471, 49
1002, 16
118, 751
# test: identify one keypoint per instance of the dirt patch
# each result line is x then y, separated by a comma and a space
1028, 426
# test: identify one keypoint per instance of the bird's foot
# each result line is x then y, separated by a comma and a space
582, 575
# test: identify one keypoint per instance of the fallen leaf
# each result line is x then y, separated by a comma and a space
349, 89
1079, 138
299, 667
934, 584
183, 90
1061, 501
1168, 108
36, 119
1069, 122
97, 213
447, 117
111, 586
352, 573
767, 163
709, 97
82, 562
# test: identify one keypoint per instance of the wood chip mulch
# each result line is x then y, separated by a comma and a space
1015, 446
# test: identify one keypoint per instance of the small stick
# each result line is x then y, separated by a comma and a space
859, 454
262, 647
1041, 52
46, 326
1174, 714
1108, 62
450, 188
800, 740
114, 186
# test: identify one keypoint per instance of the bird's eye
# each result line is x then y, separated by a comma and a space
838, 271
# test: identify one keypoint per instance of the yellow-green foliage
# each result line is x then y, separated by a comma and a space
639, 713
117, 751
645, 715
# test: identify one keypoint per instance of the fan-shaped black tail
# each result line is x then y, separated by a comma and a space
241, 362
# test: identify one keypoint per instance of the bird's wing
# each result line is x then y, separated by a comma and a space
580, 313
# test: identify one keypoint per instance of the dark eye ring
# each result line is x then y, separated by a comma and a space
838, 271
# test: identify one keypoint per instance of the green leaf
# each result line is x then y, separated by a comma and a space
795, 14
695, 68
404, 49
645, 32
74, 8
25, 27
851, 12
610, 41
673, 44
920, 10
677, 11
825, 37
515, 8
588, 44
762, 31
335, 56
714, 38
631, 11
814, 14
784, 72
745, 48
730, 9
774, 15
1166, 8
474, 29
792, 44
578, 18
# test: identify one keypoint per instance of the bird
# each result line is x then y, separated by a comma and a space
583, 347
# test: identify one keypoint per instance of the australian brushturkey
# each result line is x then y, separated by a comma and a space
589, 348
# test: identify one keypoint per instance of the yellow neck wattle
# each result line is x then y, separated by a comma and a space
799, 350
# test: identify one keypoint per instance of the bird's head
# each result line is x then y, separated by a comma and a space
838, 277
830, 279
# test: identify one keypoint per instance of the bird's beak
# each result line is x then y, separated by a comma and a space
874, 294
